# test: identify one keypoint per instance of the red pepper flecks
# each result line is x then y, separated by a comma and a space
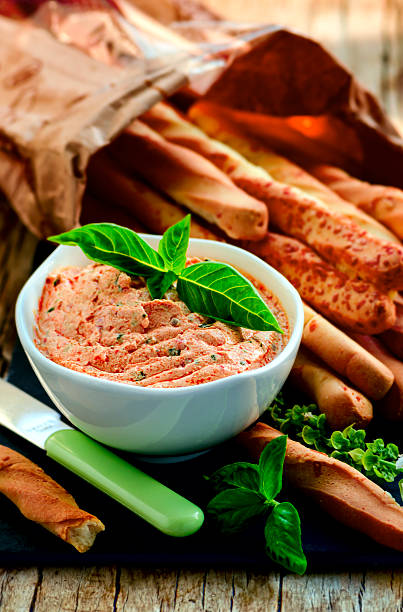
114, 330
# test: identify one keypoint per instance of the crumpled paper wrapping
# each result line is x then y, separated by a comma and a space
60, 104
294, 95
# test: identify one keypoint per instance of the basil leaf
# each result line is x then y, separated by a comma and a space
159, 284
233, 508
115, 246
242, 474
173, 245
271, 467
283, 538
217, 290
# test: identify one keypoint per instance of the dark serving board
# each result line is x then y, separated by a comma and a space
129, 540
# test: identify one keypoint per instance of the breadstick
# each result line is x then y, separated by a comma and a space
341, 490
215, 122
353, 305
393, 337
381, 202
345, 356
175, 128
108, 181
41, 499
391, 406
335, 237
341, 404
191, 180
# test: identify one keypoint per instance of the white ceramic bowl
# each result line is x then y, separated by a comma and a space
162, 422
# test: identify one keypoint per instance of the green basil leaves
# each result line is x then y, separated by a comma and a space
217, 290
209, 288
116, 246
246, 491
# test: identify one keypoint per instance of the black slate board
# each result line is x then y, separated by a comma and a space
129, 540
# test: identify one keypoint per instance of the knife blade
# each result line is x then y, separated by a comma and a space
154, 502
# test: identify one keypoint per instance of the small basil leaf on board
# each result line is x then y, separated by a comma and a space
242, 474
115, 246
159, 284
271, 467
173, 245
233, 508
217, 290
283, 538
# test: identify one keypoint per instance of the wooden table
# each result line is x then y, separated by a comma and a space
368, 36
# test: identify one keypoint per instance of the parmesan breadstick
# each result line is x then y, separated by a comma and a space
345, 356
215, 122
342, 491
341, 404
383, 203
354, 305
393, 337
108, 181
42, 500
296, 213
191, 180
390, 406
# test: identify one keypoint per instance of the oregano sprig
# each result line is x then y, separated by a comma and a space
247, 491
375, 459
210, 288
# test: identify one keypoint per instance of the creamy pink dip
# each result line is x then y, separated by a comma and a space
100, 321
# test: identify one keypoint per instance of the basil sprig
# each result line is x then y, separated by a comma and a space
246, 491
210, 288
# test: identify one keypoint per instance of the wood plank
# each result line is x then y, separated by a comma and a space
18, 588
318, 592
256, 591
153, 590
84, 589
382, 591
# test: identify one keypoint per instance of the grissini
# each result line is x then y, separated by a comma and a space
191, 180
393, 337
354, 305
336, 238
340, 490
107, 180
345, 356
381, 202
41, 499
341, 404
390, 406
215, 122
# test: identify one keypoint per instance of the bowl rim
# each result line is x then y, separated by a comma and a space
124, 387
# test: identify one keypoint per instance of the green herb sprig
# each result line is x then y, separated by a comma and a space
375, 459
246, 491
209, 288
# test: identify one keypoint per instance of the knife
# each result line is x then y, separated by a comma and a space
154, 502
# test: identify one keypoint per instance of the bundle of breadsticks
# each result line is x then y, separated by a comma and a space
336, 239
345, 263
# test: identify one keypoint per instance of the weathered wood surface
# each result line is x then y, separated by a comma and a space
368, 36
110, 589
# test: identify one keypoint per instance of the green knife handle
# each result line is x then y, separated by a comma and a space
163, 508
